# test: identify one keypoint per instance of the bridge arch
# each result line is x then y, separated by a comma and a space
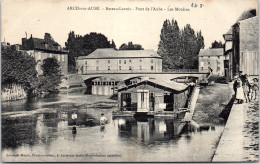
185, 79
101, 85
134, 79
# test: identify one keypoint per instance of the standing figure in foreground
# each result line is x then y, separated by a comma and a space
240, 93
235, 86
254, 89
74, 117
103, 120
246, 87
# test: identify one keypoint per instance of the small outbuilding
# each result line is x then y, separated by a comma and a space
153, 96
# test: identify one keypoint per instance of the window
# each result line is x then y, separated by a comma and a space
86, 62
130, 61
140, 67
97, 68
108, 68
108, 61
130, 68
218, 57
142, 96
124, 61
119, 61
151, 67
218, 69
208, 63
97, 61
202, 68
209, 57
151, 60
119, 67
140, 60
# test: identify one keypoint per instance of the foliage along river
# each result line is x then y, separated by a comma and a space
47, 135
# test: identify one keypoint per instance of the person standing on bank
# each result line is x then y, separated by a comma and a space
239, 93
235, 86
246, 87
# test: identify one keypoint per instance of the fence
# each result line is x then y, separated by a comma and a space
13, 91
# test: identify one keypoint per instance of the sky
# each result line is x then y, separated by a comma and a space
35, 17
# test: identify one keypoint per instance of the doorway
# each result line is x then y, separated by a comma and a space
168, 100
142, 100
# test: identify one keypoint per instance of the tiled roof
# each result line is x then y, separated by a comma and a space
112, 53
41, 44
211, 52
249, 19
168, 84
229, 32
228, 35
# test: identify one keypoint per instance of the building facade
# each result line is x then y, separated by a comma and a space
241, 48
212, 59
153, 96
41, 49
245, 47
108, 60
228, 54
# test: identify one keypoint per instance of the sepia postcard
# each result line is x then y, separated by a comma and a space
129, 81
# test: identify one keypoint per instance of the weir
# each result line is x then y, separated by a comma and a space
188, 115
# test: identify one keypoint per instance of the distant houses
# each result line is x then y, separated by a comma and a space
109, 60
212, 59
44, 48
241, 48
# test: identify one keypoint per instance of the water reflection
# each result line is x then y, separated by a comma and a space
138, 139
149, 131
18, 132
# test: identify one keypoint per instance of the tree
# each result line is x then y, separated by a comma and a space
169, 45
18, 67
179, 48
130, 46
216, 44
50, 66
113, 45
49, 81
84, 45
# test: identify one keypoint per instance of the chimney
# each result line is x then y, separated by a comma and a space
47, 37
23, 41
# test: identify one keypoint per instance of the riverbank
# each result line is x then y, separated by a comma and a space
57, 103
251, 132
211, 102
240, 139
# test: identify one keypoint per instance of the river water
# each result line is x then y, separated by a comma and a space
47, 136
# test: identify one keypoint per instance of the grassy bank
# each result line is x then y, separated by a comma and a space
211, 101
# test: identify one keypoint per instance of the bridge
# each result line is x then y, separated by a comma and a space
106, 83
168, 76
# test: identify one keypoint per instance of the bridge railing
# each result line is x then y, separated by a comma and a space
143, 71
121, 71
